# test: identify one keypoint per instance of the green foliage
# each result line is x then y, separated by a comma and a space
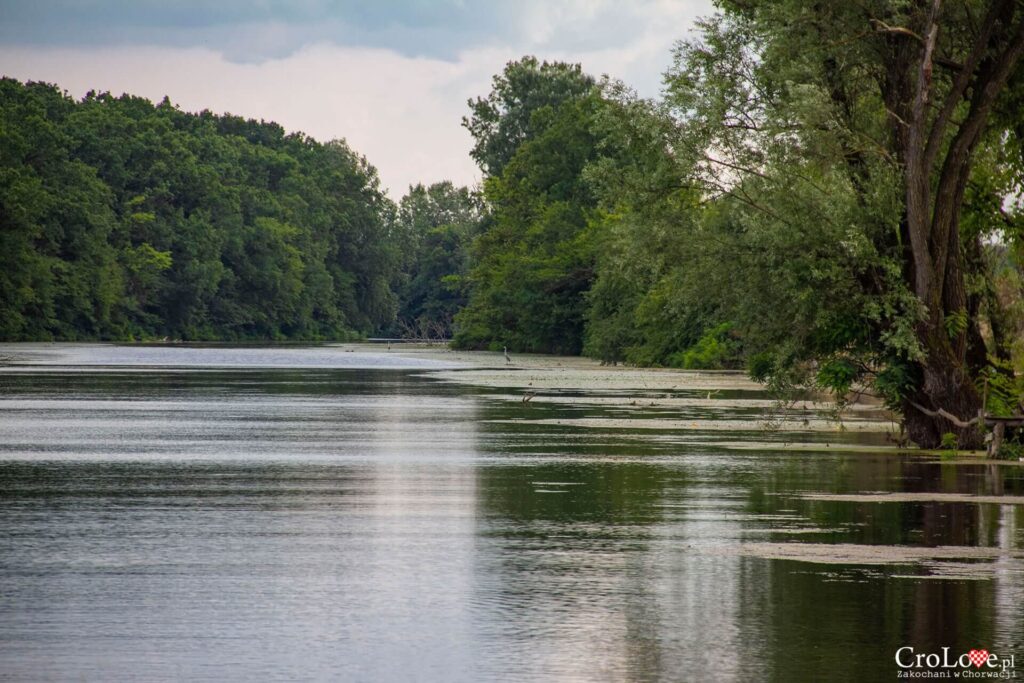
838, 375
894, 382
1010, 450
534, 261
793, 123
121, 219
760, 211
590, 239
523, 95
761, 366
956, 323
753, 217
715, 349
646, 308
436, 225
1002, 388
949, 441
949, 445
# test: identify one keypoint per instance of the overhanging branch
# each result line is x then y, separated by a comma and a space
883, 27
943, 413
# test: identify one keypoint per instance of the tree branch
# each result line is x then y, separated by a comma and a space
960, 83
942, 413
924, 75
988, 84
949, 64
735, 167
883, 27
918, 176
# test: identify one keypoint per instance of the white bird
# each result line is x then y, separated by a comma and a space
508, 358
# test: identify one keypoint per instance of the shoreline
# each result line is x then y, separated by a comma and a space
706, 405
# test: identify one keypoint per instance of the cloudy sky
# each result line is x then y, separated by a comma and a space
390, 76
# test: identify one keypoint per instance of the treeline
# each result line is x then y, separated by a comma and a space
613, 230
121, 219
592, 230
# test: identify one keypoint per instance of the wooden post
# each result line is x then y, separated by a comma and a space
984, 407
997, 439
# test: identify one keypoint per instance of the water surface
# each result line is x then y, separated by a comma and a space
310, 513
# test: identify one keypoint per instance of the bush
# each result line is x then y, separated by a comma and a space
715, 349
949, 444
1010, 450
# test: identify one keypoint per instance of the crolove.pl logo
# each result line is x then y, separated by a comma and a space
975, 664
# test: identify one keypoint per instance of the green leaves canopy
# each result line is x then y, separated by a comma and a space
121, 219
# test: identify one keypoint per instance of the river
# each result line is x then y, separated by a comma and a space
313, 513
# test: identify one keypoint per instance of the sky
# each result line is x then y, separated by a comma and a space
391, 77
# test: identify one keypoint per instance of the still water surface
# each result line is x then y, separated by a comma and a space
309, 514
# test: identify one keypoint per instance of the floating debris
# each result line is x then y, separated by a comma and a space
856, 554
922, 497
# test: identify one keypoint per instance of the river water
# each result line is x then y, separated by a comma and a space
312, 514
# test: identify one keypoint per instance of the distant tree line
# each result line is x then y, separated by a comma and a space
121, 219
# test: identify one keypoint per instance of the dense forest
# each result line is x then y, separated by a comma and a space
827, 199
122, 219
126, 220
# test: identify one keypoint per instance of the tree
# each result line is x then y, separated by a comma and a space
645, 306
864, 126
534, 263
533, 260
436, 225
505, 119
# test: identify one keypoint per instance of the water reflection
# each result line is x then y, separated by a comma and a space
374, 524
562, 584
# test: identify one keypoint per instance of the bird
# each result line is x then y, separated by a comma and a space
508, 358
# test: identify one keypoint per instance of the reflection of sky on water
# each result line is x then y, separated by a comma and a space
1008, 603
141, 357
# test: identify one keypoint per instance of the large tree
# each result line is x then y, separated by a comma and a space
533, 261
513, 112
872, 130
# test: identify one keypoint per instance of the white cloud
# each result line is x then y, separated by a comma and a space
402, 112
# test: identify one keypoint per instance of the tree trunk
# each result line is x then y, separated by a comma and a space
947, 373
945, 384
935, 177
